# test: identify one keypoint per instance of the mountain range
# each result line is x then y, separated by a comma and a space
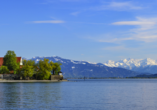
139, 65
72, 68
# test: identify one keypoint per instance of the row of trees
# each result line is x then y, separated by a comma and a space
40, 70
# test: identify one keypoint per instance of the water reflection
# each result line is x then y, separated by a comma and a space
81, 95
29, 95
111, 94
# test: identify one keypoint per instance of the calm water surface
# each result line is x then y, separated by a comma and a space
108, 94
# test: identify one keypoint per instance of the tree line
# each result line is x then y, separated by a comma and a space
41, 70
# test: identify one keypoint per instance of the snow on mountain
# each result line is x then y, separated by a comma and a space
72, 68
132, 64
59, 59
126, 63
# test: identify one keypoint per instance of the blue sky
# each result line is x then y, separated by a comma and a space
90, 30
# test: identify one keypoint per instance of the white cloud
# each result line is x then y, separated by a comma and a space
134, 23
49, 21
118, 6
145, 29
144, 23
127, 5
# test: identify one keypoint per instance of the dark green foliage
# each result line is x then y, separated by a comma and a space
36, 71
10, 60
4, 69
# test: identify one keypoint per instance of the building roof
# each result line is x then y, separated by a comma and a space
1, 60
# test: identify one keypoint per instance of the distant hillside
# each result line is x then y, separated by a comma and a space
71, 68
146, 76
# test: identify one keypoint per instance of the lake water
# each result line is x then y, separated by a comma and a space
108, 94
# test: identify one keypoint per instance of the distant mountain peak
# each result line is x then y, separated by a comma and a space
147, 65
73, 68
132, 64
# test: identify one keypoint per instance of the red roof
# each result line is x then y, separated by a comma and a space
1, 60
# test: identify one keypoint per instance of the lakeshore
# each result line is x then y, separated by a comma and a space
16, 81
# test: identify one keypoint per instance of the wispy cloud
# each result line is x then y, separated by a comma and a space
75, 13
71, 0
118, 6
114, 39
134, 23
144, 23
53, 1
115, 48
108, 38
128, 5
120, 48
145, 30
150, 47
50, 21
146, 50
90, 23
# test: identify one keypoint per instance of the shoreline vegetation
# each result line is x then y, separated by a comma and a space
31, 81
13, 69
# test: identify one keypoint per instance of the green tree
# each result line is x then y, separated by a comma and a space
10, 60
45, 67
27, 69
36, 71
29, 62
4, 69
56, 68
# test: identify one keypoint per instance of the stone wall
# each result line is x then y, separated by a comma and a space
8, 76
14, 76
1, 76
56, 77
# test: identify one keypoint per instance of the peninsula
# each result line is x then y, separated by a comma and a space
15, 69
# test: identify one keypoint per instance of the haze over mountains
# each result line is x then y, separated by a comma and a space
139, 65
71, 68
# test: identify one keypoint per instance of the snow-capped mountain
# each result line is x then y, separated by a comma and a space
72, 68
61, 60
140, 65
